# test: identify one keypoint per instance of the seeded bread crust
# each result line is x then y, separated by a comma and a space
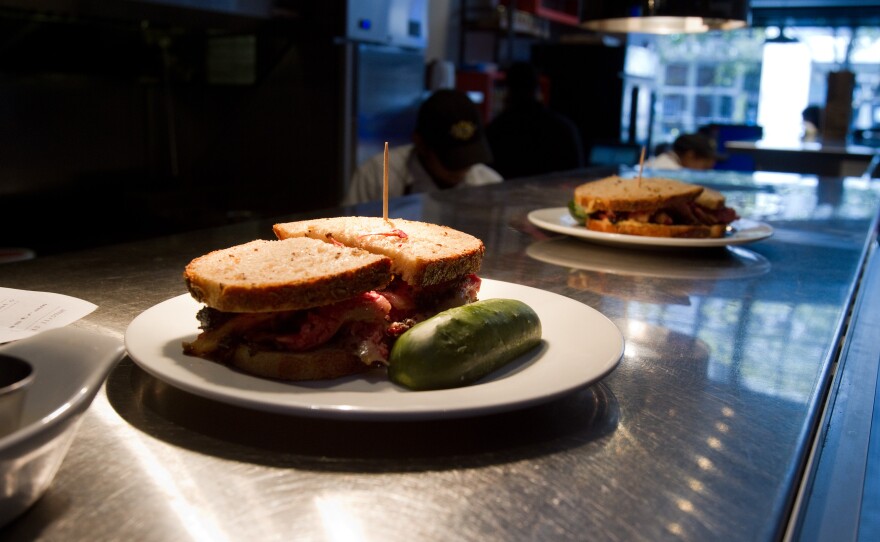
320, 364
290, 274
618, 194
633, 227
429, 254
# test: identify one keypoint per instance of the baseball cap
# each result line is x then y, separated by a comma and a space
450, 124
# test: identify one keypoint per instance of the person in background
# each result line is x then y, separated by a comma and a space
527, 137
812, 123
688, 151
448, 150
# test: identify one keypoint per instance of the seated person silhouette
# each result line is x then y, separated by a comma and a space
527, 137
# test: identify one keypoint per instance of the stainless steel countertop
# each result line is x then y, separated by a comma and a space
701, 433
817, 147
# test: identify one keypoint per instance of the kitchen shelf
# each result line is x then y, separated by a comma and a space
513, 22
559, 11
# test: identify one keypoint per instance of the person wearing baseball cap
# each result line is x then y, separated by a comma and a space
448, 150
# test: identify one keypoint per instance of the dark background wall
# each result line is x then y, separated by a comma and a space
587, 87
117, 125
125, 120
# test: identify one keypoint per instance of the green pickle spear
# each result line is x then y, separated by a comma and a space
459, 346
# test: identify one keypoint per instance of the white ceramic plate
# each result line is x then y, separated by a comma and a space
559, 220
580, 346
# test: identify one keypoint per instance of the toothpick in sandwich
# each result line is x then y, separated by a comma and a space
385, 186
641, 165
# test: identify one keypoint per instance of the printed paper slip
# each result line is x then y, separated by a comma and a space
24, 313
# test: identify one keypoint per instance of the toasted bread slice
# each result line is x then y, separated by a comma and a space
647, 229
291, 274
322, 364
422, 253
618, 194
711, 199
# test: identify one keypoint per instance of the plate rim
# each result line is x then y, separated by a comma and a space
764, 231
460, 402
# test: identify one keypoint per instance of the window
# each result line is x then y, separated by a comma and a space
673, 105
710, 78
703, 107
705, 76
725, 107
677, 75
716, 76
752, 80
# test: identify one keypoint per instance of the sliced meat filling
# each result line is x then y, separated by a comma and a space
687, 213
348, 321
410, 305
367, 324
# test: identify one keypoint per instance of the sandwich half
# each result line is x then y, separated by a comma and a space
434, 267
294, 309
653, 207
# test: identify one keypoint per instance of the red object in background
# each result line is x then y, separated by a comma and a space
481, 87
560, 11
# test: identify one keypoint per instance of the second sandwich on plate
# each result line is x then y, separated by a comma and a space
653, 207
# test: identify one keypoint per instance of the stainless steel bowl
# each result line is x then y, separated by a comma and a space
16, 376
69, 367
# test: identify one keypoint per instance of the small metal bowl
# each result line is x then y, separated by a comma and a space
16, 376
69, 367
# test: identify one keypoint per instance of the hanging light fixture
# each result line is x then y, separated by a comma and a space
664, 16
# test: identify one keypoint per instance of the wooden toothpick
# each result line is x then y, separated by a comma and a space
385, 185
641, 165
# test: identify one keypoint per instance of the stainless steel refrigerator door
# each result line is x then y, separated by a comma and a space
390, 86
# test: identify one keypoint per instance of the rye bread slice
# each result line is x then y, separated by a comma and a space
422, 253
324, 363
647, 229
618, 194
290, 274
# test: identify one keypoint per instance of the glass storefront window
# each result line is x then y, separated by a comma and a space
717, 77
677, 75
705, 75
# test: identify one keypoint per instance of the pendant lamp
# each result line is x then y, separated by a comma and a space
664, 16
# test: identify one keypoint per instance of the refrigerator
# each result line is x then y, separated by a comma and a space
385, 74
389, 85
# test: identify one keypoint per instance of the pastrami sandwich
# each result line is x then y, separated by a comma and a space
653, 207
434, 266
313, 307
